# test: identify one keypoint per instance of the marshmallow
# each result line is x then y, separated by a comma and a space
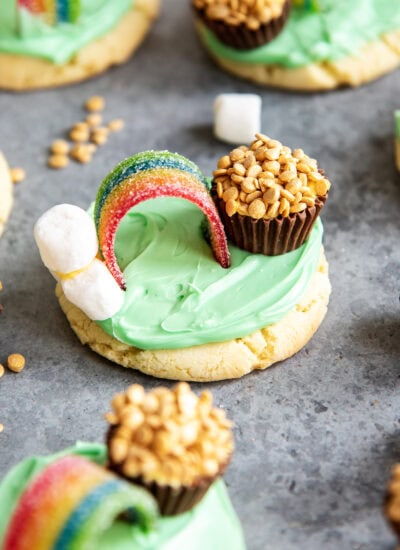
66, 238
94, 291
237, 117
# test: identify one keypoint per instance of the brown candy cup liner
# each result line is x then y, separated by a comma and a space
171, 501
269, 237
242, 38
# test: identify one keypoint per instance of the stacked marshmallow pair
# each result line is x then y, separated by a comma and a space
67, 240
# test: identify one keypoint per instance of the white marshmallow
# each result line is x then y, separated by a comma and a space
95, 292
66, 238
237, 117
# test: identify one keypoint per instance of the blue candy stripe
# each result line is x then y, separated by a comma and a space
62, 11
139, 163
83, 512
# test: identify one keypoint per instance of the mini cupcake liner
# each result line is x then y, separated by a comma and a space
242, 38
269, 237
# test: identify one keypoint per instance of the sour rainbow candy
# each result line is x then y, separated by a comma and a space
70, 504
147, 176
53, 11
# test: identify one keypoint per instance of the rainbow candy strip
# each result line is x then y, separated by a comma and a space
70, 504
53, 11
147, 176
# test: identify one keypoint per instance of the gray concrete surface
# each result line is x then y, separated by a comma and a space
315, 436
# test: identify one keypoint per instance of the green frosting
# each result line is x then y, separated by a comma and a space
28, 35
211, 525
178, 295
341, 28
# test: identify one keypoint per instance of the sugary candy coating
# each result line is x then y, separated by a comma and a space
147, 176
70, 504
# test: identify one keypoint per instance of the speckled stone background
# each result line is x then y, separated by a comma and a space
315, 436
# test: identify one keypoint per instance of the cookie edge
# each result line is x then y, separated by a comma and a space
23, 73
219, 361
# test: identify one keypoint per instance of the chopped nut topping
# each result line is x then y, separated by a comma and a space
16, 362
171, 437
252, 13
267, 180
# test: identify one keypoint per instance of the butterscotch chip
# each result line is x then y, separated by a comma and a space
94, 119
299, 207
322, 187
95, 103
58, 161
16, 362
271, 195
81, 153
236, 155
116, 125
239, 169
254, 171
249, 185
231, 207
220, 172
224, 162
119, 450
231, 193
273, 210
2, 370
17, 175
60, 147
252, 196
257, 209
79, 135
1, 428
99, 136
